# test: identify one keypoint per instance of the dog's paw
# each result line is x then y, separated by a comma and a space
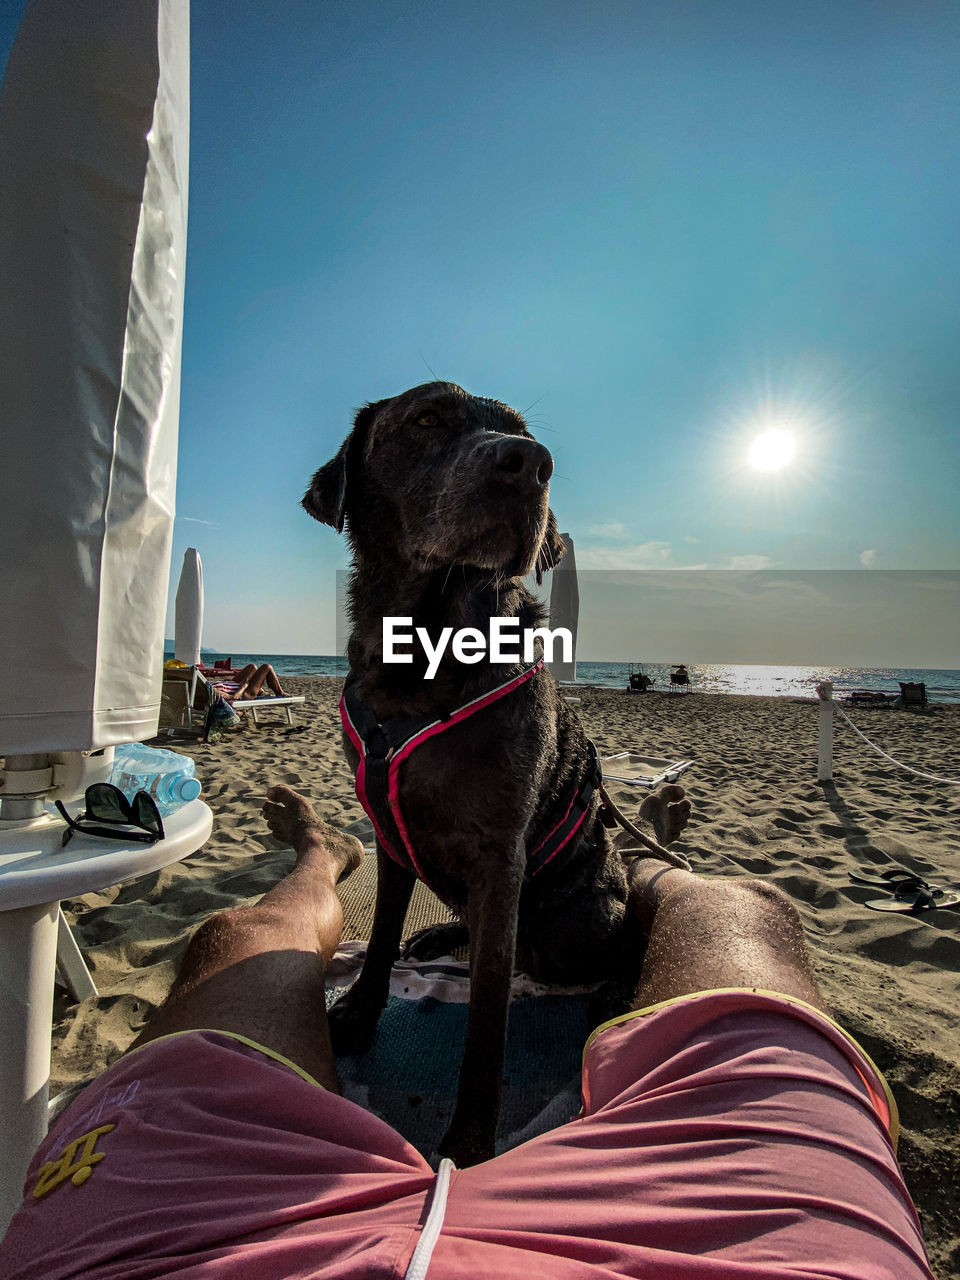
435, 941
352, 1027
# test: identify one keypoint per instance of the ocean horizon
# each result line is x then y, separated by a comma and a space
943, 685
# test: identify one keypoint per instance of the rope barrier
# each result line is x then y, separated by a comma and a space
952, 782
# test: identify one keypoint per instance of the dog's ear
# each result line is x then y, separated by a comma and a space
327, 496
326, 499
551, 549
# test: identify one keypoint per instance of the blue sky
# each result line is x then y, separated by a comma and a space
666, 226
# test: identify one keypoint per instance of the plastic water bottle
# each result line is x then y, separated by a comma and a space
169, 777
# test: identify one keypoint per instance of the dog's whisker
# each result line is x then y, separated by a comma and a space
424, 359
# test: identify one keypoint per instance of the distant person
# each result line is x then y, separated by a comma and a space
679, 675
249, 682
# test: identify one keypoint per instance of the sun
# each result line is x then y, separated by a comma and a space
773, 449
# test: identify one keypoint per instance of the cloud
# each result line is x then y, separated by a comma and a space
689, 538
613, 529
868, 557
748, 562
646, 555
195, 520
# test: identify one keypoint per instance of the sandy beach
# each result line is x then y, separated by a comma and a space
891, 980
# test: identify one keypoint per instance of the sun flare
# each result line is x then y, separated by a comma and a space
773, 449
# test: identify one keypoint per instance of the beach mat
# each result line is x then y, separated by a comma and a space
409, 1077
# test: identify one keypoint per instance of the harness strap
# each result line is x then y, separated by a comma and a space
561, 836
384, 747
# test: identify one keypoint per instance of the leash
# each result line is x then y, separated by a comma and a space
655, 849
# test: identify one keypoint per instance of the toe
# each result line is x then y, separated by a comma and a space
276, 816
284, 795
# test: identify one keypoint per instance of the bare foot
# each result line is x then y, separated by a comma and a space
294, 821
667, 811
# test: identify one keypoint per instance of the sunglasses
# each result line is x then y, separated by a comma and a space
107, 804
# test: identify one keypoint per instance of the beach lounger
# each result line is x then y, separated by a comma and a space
256, 706
185, 682
642, 771
268, 703
870, 698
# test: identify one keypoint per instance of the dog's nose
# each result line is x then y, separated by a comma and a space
523, 461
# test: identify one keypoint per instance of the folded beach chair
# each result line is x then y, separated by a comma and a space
913, 694
179, 697
642, 771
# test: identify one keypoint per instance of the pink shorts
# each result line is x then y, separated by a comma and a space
726, 1135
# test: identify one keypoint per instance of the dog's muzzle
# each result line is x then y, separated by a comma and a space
524, 464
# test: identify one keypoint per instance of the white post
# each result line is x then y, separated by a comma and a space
825, 742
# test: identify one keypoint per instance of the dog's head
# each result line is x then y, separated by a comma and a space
444, 478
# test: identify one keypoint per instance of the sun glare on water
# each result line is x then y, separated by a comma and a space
773, 449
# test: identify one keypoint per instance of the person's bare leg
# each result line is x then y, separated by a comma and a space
243, 678
707, 932
264, 675
258, 971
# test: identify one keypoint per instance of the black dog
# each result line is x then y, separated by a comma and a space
444, 497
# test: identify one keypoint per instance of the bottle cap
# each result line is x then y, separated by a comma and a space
188, 789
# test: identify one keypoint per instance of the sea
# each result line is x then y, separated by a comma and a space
763, 681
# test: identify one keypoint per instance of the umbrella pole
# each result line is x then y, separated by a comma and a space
28, 779
28, 961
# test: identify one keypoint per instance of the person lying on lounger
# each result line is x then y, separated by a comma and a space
249, 682
730, 1128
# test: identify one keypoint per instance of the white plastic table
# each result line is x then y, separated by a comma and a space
35, 873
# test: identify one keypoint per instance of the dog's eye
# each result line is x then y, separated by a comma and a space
428, 420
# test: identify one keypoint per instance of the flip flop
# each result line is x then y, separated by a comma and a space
910, 901
890, 879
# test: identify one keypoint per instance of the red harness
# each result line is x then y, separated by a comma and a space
383, 748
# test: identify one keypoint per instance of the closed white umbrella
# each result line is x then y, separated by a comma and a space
188, 617
565, 607
93, 152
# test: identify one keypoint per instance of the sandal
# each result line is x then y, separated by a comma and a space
891, 879
910, 900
